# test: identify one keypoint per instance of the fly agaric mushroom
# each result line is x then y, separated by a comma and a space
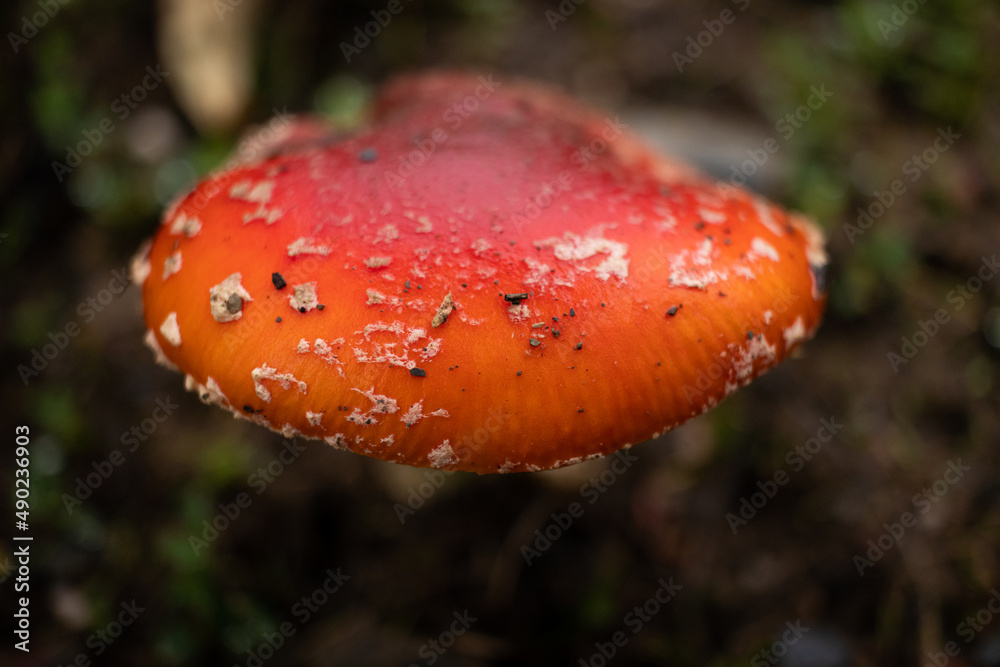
491, 277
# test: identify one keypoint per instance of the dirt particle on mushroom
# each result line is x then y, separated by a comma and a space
278, 280
443, 311
234, 303
515, 299
534, 342
304, 297
418, 372
221, 302
368, 155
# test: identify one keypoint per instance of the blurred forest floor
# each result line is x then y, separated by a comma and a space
150, 96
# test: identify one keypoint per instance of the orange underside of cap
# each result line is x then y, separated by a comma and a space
652, 292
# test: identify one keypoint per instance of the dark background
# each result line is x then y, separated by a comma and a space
895, 86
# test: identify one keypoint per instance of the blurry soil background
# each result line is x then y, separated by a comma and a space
767, 540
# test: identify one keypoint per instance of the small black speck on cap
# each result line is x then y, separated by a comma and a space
278, 320
302, 309
572, 313
519, 374
418, 372
234, 303
671, 311
278, 280
248, 409
368, 155
320, 306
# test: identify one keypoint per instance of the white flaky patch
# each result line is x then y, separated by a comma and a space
519, 312
796, 333
386, 234
259, 193
188, 226
220, 294
768, 316
480, 246
303, 296
575, 248
265, 372
381, 405
712, 216
378, 262
374, 297
538, 272
141, 266
337, 441
416, 413
754, 350
394, 353
442, 455
256, 193
760, 247
154, 344
314, 418
172, 264
268, 216
307, 246
766, 215
324, 350
170, 331
303, 346
424, 225
209, 393
694, 268
815, 252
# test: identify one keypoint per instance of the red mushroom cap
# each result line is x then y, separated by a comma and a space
491, 277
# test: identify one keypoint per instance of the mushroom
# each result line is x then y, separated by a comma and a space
491, 277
